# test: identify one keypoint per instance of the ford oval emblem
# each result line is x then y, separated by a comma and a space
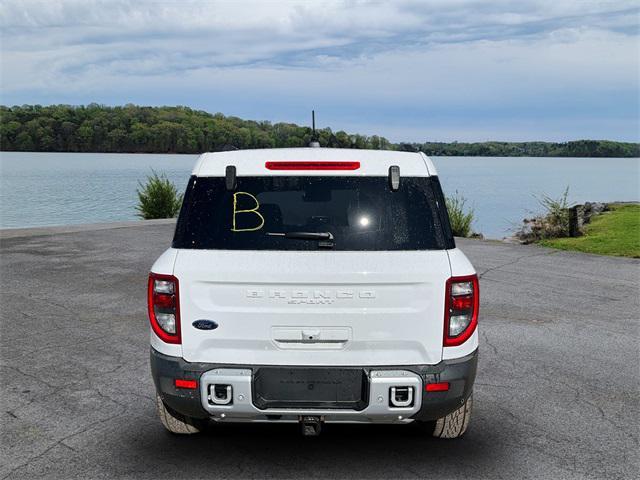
205, 324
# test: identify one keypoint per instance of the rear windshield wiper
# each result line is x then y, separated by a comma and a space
325, 239
328, 236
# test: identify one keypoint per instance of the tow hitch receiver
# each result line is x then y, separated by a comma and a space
311, 426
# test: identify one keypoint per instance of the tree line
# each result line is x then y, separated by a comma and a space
136, 129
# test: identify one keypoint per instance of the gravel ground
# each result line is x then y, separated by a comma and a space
557, 393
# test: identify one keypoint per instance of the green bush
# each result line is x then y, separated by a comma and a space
552, 223
158, 198
556, 215
460, 218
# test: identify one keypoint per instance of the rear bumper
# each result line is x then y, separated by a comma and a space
460, 373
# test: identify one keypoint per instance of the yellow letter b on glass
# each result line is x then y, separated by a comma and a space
250, 211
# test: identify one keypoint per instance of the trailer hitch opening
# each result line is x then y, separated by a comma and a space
311, 425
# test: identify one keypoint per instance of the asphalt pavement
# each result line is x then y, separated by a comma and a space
557, 392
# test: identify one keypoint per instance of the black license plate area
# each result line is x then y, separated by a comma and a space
320, 388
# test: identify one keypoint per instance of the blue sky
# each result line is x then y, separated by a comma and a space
408, 70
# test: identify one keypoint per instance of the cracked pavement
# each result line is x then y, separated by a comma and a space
557, 392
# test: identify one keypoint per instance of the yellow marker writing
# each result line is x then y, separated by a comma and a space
251, 210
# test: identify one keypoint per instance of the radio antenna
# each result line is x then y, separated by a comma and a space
314, 139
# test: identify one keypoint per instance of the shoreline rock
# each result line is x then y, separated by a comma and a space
544, 226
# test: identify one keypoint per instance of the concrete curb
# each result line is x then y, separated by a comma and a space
45, 231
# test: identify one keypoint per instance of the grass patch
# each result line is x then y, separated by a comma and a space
460, 217
616, 232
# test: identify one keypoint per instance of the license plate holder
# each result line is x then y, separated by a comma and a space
310, 387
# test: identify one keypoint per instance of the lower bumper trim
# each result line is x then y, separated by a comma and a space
243, 406
375, 405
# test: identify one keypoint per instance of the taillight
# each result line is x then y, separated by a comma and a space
164, 307
461, 309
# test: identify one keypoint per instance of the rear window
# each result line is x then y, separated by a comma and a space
361, 213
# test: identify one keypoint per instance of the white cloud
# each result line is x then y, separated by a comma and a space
423, 57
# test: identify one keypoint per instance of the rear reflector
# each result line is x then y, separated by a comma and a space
190, 384
312, 165
437, 387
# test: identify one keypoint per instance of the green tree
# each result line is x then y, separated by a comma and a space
132, 128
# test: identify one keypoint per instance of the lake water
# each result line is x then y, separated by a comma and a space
38, 189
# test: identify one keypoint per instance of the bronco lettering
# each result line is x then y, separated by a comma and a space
311, 297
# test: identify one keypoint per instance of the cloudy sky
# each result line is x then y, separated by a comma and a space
406, 69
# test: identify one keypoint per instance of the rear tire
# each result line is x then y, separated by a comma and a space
453, 425
176, 423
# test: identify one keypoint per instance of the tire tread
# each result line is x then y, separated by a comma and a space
455, 424
172, 423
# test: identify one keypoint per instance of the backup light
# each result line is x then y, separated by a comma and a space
167, 322
163, 286
457, 324
461, 288
462, 300
164, 307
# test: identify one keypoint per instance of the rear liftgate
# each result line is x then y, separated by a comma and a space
276, 391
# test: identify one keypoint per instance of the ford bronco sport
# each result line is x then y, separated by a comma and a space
314, 285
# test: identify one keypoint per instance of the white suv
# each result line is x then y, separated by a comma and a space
314, 285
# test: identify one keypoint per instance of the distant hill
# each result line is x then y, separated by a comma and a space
135, 129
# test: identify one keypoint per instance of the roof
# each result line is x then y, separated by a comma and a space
372, 162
